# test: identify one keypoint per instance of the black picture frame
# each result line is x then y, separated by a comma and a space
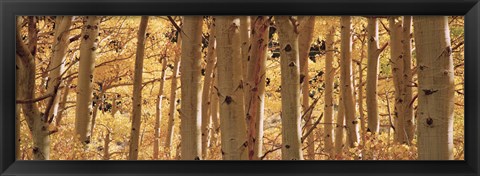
11, 8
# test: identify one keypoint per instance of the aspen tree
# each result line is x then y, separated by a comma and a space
329, 75
88, 46
231, 99
407, 58
245, 27
56, 66
290, 82
255, 85
340, 127
137, 90
346, 81
215, 132
372, 75
435, 88
37, 123
158, 108
307, 24
206, 118
173, 98
191, 91
398, 72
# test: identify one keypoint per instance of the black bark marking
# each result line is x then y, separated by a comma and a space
197, 158
287, 146
86, 37
288, 48
292, 64
429, 91
228, 99
93, 48
355, 122
89, 26
429, 121
35, 150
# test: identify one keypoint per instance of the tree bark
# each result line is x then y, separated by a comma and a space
215, 132
245, 27
137, 90
88, 46
37, 123
56, 66
191, 91
290, 87
255, 85
158, 107
407, 57
206, 118
340, 127
398, 72
231, 99
329, 75
435, 88
372, 75
346, 81
173, 99
307, 24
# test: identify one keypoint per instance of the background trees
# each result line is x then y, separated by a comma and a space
250, 103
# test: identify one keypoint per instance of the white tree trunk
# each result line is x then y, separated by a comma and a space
346, 81
173, 100
88, 46
307, 24
407, 58
231, 99
372, 76
435, 88
56, 66
191, 91
329, 75
137, 90
290, 90
255, 86
158, 114
206, 118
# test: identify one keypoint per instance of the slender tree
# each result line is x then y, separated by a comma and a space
255, 85
407, 58
137, 90
435, 88
232, 108
346, 81
173, 98
245, 27
372, 75
83, 113
307, 24
56, 66
206, 118
290, 82
158, 108
329, 75
191, 91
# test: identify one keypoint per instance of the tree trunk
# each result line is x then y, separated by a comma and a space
329, 75
158, 114
231, 99
290, 87
407, 58
206, 118
37, 123
173, 99
372, 76
307, 24
63, 103
56, 66
346, 81
137, 90
255, 85
173, 102
398, 72
340, 127
83, 110
191, 91
245, 27
435, 88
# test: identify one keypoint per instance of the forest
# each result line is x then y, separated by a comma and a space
239, 88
